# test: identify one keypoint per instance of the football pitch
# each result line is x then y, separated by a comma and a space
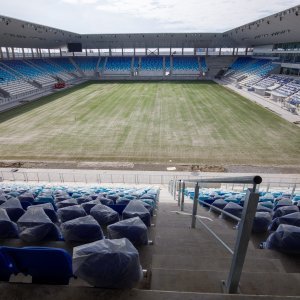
148, 122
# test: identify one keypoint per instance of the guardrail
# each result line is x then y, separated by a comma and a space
245, 222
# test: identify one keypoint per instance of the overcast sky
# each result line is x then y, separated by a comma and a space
134, 16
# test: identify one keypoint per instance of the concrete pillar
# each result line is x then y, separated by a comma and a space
7, 52
49, 53
13, 52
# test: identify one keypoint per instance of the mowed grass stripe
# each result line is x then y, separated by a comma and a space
187, 122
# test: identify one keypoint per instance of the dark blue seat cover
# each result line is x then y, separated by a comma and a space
45, 265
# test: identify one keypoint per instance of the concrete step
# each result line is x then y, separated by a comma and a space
9, 291
206, 263
251, 283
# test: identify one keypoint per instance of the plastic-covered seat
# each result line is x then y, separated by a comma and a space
89, 205
13, 208
84, 199
104, 215
119, 208
35, 226
26, 197
220, 203
2, 199
285, 210
123, 201
66, 203
105, 201
108, 264
8, 229
48, 209
133, 229
283, 202
136, 208
85, 229
262, 208
290, 219
286, 239
45, 265
261, 222
70, 212
234, 209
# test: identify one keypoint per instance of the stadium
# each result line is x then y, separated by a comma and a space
150, 165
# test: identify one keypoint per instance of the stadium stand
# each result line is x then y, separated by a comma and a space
248, 71
151, 65
30, 73
87, 64
66, 65
118, 66
185, 65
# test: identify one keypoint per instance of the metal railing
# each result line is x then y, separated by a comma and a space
245, 222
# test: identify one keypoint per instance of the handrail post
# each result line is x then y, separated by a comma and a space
175, 188
179, 192
195, 205
293, 190
241, 245
182, 196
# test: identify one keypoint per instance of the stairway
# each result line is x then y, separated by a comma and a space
191, 260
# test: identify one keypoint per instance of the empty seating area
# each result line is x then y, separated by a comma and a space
83, 221
118, 65
64, 63
249, 71
203, 65
29, 72
152, 65
52, 69
185, 65
87, 64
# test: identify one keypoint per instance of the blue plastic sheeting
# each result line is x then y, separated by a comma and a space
44, 265
48, 209
119, 208
290, 219
220, 203
261, 222
285, 210
133, 229
6, 267
262, 208
13, 208
234, 209
104, 215
136, 208
286, 238
70, 212
89, 205
8, 229
108, 264
35, 226
85, 229
66, 203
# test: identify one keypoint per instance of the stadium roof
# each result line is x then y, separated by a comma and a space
281, 27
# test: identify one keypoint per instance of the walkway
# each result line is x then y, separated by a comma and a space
267, 103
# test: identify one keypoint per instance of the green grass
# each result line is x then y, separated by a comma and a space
185, 122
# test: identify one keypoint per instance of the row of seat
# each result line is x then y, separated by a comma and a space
277, 213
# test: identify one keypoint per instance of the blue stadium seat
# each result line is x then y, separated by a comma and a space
44, 265
136, 208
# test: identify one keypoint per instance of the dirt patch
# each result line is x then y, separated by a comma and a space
284, 169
